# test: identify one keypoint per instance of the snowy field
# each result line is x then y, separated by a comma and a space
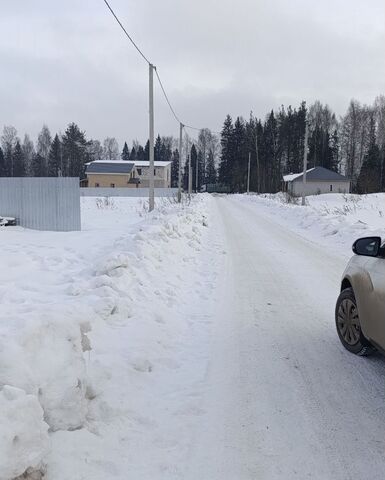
157, 346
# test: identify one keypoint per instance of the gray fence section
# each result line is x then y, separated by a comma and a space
42, 203
126, 192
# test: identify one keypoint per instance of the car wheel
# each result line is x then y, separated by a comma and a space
348, 324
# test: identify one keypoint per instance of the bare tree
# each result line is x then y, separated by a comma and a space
355, 127
28, 152
379, 111
44, 141
95, 150
8, 143
111, 149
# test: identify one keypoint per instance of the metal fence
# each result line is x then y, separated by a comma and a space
42, 203
126, 192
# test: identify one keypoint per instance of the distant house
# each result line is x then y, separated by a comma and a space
111, 174
162, 173
318, 180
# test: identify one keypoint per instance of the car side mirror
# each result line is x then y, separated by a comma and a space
368, 246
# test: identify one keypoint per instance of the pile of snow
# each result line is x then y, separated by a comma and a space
91, 327
335, 220
23, 433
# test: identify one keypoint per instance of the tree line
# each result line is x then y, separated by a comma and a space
68, 154
353, 145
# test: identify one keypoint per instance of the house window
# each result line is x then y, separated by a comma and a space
331, 188
112, 185
97, 185
139, 170
154, 172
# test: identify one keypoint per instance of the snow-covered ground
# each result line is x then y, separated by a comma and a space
193, 342
333, 219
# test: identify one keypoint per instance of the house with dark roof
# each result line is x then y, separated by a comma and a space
111, 174
318, 180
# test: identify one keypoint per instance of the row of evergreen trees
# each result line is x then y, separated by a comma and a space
68, 154
354, 145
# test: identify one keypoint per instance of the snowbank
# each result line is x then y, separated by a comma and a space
23, 433
335, 220
89, 330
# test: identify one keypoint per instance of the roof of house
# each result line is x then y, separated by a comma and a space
317, 174
115, 167
138, 163
293, 176
146, 163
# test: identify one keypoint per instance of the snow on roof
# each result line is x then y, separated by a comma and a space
317, 174
138, 163
293, 176
145, 163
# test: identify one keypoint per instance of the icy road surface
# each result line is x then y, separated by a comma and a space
284, 399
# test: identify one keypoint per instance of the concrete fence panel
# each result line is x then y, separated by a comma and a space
42, 203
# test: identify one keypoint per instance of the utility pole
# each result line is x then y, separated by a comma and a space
151, 137
248, 175
304, 163
180, 164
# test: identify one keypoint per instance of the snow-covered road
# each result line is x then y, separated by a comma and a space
284, 400
195, 342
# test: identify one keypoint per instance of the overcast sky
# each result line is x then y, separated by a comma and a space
68, 61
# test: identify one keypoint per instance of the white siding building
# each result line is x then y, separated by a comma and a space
162, 173
318, 180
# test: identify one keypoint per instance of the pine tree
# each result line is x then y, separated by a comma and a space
240, 157
74, 151
133, 155
3, 169
185, 174
38, 166
54, 158
125, 152
211, 173
334, 152
227, 153
146, 151
140, 154
369, 179
194, 160
158, 149
18, 161
175, 168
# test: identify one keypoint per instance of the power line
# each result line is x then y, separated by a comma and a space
172, 109
166, 97
199, 129
125, 31
156, 71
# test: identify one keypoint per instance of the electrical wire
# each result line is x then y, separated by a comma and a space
167, 99
156, 71
125, 31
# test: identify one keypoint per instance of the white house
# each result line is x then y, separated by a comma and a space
318, 180
162, 173
129, 174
